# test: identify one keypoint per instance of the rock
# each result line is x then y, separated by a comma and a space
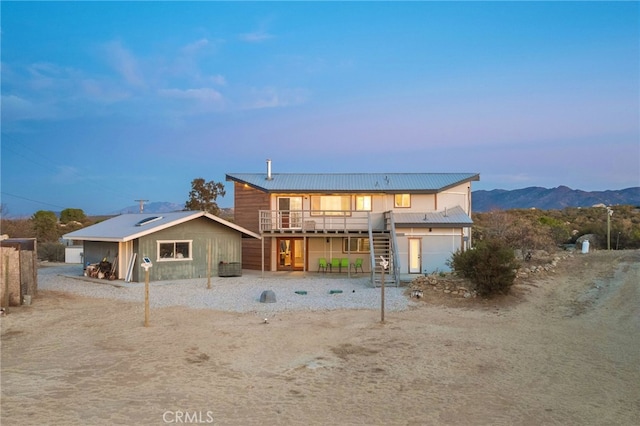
268, 296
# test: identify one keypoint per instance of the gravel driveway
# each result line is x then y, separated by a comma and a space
234, 294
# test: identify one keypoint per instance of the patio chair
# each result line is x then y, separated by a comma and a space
344, 263
335, 263
357, 264
322, 264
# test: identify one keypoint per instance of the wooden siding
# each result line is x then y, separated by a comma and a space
226, 246
247, 203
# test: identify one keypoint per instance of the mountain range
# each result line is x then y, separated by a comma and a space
550, 199
484, 201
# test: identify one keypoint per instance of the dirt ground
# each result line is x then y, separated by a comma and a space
563, 349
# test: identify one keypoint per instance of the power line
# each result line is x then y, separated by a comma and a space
53, 167
34, 201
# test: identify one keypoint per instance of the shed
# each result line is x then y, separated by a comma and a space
180, 245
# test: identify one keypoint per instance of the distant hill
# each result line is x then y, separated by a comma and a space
484, 201
550, 199
155, 207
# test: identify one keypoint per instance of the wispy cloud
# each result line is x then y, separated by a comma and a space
271, 97
196, 46
204, 94
125, 63
256, 36
218, 80
15, 108
103, 91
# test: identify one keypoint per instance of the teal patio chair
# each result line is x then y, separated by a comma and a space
322, 264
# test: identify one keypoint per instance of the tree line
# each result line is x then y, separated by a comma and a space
47, 228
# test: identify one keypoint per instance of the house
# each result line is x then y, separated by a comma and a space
413, 220
180, 245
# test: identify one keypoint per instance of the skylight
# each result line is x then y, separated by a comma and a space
148, 220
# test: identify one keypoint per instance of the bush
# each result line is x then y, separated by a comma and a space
491, 267
51, 252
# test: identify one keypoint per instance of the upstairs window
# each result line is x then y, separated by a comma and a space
330, 205
402, 200
363, 203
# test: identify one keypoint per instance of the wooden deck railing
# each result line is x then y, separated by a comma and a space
319, 221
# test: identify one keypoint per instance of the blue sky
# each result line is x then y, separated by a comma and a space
106, 103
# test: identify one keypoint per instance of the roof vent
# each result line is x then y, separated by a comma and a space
148, 220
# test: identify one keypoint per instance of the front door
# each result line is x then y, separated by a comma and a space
415, 255
290, 254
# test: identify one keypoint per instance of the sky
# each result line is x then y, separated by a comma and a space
105, 103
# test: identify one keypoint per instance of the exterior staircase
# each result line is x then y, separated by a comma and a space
382, 245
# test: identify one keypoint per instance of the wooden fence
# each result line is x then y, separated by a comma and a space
18, 271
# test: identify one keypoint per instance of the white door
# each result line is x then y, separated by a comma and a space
415, 255
125, 251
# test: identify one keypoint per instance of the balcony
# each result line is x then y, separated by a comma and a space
319, 221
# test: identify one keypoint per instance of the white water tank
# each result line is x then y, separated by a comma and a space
585, 246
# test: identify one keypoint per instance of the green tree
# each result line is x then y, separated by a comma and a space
45, 224
72, 215
203, 196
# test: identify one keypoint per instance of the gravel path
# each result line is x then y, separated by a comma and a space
233, 294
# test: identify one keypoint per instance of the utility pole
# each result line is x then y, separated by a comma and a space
141, 204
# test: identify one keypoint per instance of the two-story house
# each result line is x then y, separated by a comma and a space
413, 220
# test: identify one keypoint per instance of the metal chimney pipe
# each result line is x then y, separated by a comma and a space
269, 169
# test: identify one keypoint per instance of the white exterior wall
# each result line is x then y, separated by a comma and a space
457, 196
437, 247
73, 254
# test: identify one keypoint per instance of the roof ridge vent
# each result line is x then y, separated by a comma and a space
148, 220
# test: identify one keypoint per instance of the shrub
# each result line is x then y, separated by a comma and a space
52, 252
491, 267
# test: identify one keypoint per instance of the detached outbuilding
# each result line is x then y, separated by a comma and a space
181, 245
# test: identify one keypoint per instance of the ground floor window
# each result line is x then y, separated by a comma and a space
174, 250
356, 245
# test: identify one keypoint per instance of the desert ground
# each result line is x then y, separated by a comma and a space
562, 349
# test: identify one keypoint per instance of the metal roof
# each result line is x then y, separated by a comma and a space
453, 217
353, 182
128, 227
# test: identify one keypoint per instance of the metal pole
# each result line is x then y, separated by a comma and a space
146, 297
209, 264
382, 295
608, 231
5, 296
609, 213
